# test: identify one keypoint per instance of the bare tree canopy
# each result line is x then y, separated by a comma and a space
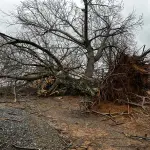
59, 38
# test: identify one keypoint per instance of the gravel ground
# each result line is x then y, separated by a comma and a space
21, 130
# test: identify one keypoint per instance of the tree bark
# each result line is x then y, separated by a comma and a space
90, 68
90, 54
90, 63
86, 23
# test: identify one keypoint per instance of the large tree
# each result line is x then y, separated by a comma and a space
58, 35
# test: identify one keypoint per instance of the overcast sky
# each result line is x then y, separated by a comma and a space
141, 7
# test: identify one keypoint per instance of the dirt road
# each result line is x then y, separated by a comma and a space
44, 123
21, 130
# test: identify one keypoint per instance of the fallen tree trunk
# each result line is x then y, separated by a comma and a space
126, 81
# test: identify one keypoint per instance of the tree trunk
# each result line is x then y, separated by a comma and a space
90, 64
90, 68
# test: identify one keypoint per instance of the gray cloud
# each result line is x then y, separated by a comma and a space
141, 7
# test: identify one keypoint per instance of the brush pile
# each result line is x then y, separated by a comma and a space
127, 81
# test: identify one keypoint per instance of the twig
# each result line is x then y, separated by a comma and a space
132, 146
6, 102
115, 113
12, 101
15, 94
128, 106
143, 99
25, 148
39, 112
67, 147
111, 116
10, 119
143, 49
55, 92
137, 137
132, 103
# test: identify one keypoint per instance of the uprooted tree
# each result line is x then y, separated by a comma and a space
79, 48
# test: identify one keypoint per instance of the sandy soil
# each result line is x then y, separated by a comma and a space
88, 131
102, 130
